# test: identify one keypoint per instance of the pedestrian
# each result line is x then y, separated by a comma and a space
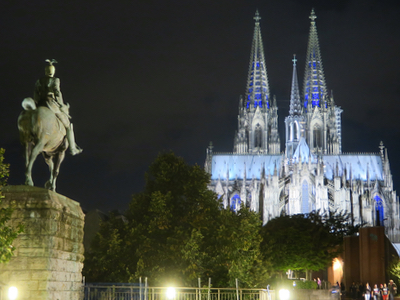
319, 283
392, 289
353, 291
376, 292
385, 292
360, 291
367, 292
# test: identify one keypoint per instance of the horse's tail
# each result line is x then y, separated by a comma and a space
28, 104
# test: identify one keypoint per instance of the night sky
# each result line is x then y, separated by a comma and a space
146, 76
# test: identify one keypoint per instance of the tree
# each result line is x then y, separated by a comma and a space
305, 242
176, 231
7, 232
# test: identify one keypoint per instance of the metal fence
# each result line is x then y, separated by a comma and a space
139, 292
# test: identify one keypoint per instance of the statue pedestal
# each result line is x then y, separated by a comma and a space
48, 259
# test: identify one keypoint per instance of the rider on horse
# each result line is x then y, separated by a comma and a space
47, 93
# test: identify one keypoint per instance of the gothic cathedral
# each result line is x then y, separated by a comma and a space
311, 173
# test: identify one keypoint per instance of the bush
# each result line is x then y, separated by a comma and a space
277, 284
306, 285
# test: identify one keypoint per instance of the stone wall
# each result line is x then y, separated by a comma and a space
49, 254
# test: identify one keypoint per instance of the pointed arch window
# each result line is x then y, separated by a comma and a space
317, 137
257, 136
379, 212
235, 203
304, 197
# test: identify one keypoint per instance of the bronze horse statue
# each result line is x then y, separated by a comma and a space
40, 131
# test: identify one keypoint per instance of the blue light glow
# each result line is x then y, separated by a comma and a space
379, 211
260, 103
315, 103
235, 202
248, 104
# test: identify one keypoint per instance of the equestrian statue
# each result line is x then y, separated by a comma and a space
44, 127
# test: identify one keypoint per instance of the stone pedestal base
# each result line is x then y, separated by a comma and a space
49, 254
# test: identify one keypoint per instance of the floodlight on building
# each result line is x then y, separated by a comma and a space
336, 264
284, 294
171, 293
12, 293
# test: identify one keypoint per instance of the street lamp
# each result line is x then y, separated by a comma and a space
171, 293
284, 294
12, 293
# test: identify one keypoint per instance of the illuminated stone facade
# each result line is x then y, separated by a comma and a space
312, 173
48, 260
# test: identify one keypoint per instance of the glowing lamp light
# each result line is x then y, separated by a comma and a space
171, 293
284, 294
336, 264
12, 293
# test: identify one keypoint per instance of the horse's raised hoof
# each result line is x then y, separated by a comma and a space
75, 151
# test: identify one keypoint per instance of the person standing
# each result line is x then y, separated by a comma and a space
385, 292
376, 292
367, 292
392, 289
353, 291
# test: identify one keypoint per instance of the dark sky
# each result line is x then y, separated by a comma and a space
147, 76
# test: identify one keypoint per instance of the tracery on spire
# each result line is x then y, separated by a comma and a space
314, 79
257, 90
295, 103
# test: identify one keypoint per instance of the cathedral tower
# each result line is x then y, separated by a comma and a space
323, 123
295, 121
258, 116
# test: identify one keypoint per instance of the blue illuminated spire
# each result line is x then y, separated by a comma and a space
257, 89
314, 80
295, 103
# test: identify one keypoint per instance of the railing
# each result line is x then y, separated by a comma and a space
137, 292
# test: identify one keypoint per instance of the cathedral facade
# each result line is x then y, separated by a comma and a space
311, 172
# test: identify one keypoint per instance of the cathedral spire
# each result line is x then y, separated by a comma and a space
257, 89
314, 79
295, 103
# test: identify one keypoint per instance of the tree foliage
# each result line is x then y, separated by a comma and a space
8, 233
394, 268
176, 231
305, 241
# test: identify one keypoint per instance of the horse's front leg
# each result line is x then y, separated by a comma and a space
32, 157
28, 150
58, 160
49, 161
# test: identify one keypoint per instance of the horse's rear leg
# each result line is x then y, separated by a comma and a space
32, 157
